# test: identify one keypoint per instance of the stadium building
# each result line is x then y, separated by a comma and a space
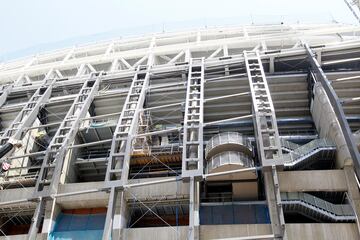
247, 132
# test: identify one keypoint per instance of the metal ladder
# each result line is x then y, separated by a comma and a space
53, 160
120, 153
28, 113
192, 156
267, 138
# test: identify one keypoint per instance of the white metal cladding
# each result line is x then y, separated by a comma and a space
227, 138
238, 159
171, 48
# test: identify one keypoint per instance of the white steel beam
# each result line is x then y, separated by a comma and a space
174, 59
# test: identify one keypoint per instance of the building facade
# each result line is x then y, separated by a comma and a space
247, 132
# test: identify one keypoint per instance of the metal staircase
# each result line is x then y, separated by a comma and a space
288, 146
28, 113
318, 150
56, 151
317, 208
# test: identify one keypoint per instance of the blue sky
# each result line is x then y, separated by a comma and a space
31, 26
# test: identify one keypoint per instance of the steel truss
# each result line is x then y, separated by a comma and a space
193, 145
52, 164
28, 113
192, 156
112, 54
121, 147
267, 138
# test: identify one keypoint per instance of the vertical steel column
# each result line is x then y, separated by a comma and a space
121, 147
28, 114
337, 107
267, 138
119, 159
52, 164
193, 146
192, 156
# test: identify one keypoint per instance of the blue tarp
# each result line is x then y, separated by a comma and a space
78, 226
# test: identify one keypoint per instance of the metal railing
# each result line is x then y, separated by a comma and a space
229, 158
305, 152
227, 138
317, 207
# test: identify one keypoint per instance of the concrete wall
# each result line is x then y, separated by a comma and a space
245, 190
89, 200
69, 174
16, 194
100, 199
322, 231
155, 191
233, 231
327, 125
23, 237
315, 180
157, 233
318, 231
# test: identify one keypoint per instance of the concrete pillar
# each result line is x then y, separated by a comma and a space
194, 217
275, 215
27, 145
69, 174
353, 191
328, 126
120, 217
52, 211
